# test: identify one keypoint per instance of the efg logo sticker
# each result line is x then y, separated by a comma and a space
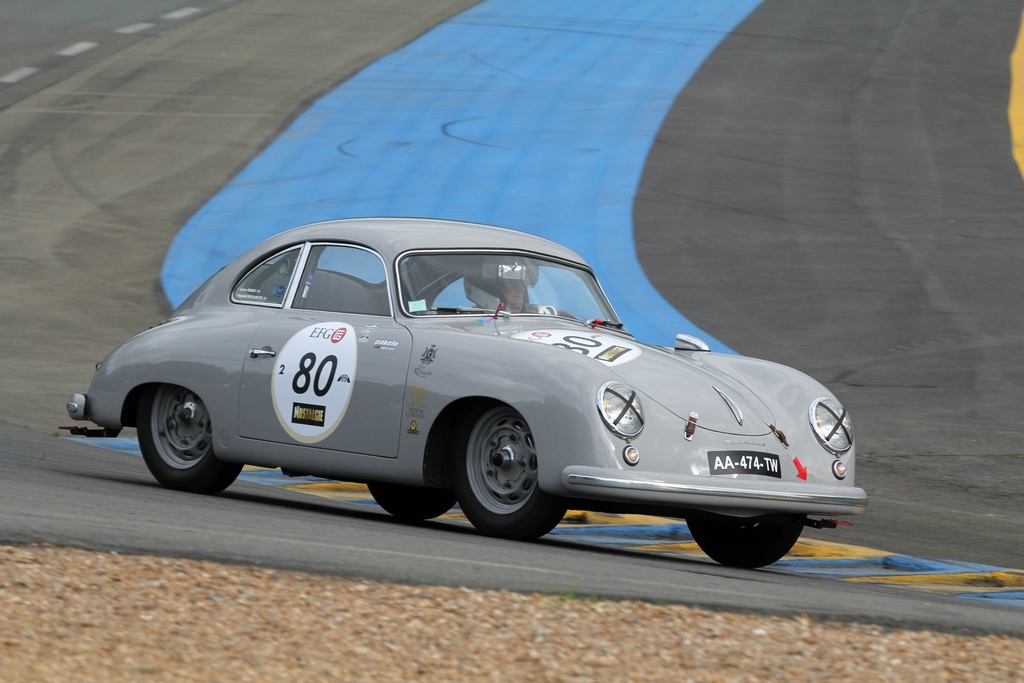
312, 381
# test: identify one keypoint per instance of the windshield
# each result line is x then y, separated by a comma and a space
464, 282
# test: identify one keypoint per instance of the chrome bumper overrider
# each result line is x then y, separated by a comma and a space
76, 406
592, 482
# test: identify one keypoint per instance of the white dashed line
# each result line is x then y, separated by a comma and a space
77, 49
181, 13
19, 74
133, 28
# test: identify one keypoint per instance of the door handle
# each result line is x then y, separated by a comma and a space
265, 352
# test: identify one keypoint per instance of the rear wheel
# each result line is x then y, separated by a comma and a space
412, 503
747, 544
176, 439
495, 477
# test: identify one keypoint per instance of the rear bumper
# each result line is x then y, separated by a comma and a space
77, 406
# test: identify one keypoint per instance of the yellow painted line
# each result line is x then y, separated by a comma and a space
1016, 106
1011, 578
940, 589
330, 492
577, 517
812, 548
346, 486
948, 590
834, 559
670, 547
803, 550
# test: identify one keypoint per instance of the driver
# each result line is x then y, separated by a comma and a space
513, 295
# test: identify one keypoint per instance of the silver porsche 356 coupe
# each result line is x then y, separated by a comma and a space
442, 362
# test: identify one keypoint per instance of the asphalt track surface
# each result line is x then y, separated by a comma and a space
833, 190
535, 114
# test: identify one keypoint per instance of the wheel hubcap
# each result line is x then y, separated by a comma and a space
502, 463
182, 427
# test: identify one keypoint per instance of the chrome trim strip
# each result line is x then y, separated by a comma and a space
579, 265
298, 282
736, 412
293, 278
701, 490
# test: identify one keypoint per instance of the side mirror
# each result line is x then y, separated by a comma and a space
687, 342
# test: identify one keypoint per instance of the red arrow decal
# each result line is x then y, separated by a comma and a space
801, 471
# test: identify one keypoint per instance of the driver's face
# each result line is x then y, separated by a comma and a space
513, 294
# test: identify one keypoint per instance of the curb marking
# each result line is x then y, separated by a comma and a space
666, 536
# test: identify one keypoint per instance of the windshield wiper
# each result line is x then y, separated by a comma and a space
448, 310
594, 322
500, 310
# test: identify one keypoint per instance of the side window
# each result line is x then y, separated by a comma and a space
344, 280
453, 296
267, 283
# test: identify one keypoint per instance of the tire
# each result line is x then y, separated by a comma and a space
412, 503
495, 477
176, 439
745, 544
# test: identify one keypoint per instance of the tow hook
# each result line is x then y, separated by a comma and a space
825, 523
92, 432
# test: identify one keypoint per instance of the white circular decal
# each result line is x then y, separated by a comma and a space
602, 347
313, 379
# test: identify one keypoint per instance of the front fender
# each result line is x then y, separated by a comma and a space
554, 390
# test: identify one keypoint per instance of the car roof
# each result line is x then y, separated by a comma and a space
388, 236
393, 236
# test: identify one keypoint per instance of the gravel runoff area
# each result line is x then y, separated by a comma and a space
79, 615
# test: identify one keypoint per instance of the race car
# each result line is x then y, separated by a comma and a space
443, 362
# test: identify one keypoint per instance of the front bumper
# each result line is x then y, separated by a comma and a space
729, 496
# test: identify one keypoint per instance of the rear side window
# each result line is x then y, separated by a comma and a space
267, 283
344, 279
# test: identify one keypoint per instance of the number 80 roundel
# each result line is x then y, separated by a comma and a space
312, 381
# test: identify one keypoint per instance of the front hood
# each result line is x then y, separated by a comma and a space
684, 384
681, 383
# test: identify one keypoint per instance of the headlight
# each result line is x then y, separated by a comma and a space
621, 409
831, 424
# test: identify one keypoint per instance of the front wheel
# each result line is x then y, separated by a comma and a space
495, 477
176, 440
746, 544
412, 503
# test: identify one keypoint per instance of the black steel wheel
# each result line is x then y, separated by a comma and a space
176, 439
495, 477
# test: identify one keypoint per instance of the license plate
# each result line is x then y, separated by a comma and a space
744, 462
